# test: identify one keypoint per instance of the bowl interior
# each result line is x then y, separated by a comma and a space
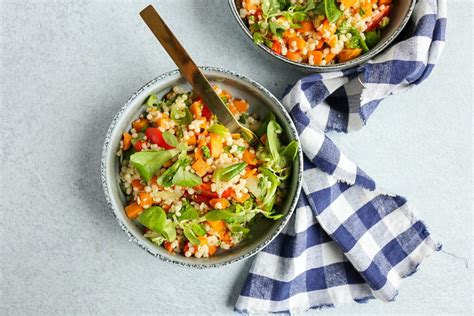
261, 102
399, 17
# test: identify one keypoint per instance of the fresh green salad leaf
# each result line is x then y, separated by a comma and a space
372, 38
228, 173
182, 115
155, 219
291, 150
269, 196
191, 235
152, 100
188, 212
258, 37
276, 28
218, 129
149, 162
166, 178
358, 38
170, 139
332, 11
270, 8
185, 178
273, 141
217, 215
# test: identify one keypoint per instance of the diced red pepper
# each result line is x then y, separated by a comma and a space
138, 145
156, 137
375, 21
206, 112
199, 198
227, 193
276, 47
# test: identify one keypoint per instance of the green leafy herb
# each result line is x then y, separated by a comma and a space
181, 114
166, 178
332, 11
385, 22
188, 212
291, 150
276, 28
152, 100
273, 142
344, 27
148, 163
155, 219
356, 34
258, 38
372, 38
170, 139
269, 196
218, 129
217, 215
191, 235
270, 8
228, 173
185, 178
206, 152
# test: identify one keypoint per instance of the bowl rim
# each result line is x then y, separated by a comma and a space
336, 67
108, 149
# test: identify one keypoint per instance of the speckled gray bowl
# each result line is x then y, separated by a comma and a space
399, 17
261, 101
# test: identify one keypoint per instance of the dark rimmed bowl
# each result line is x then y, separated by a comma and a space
261, 101
399, 17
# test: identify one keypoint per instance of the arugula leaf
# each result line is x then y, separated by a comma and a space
291, 150
198, 229
332, 11
155, 219
273, 142
188, 212
170, 139
148, 163
185, 178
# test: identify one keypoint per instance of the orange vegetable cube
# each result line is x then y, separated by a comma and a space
140, 124
243, 197
196, 109
133, 210
348, 54
217, 226
219, 203
249, 158
300, 43
241, 105
249, 172
294, 56
201, 167
212, 250
329, 57
136, 184
127, 141
215, 145
306, 26
192, 140
317, 57
144, 199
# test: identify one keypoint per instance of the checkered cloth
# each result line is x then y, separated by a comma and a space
348, 240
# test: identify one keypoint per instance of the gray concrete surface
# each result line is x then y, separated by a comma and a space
68, 66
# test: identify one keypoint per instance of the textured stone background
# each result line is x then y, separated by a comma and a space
68, 66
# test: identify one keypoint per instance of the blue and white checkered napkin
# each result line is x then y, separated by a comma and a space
348, 241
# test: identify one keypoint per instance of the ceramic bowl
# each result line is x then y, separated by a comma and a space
261, 101
399, 17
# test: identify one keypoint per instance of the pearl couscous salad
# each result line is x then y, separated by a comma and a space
317, 32
194, 186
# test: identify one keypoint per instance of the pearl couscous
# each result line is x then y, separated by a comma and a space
317, 32
194, 186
